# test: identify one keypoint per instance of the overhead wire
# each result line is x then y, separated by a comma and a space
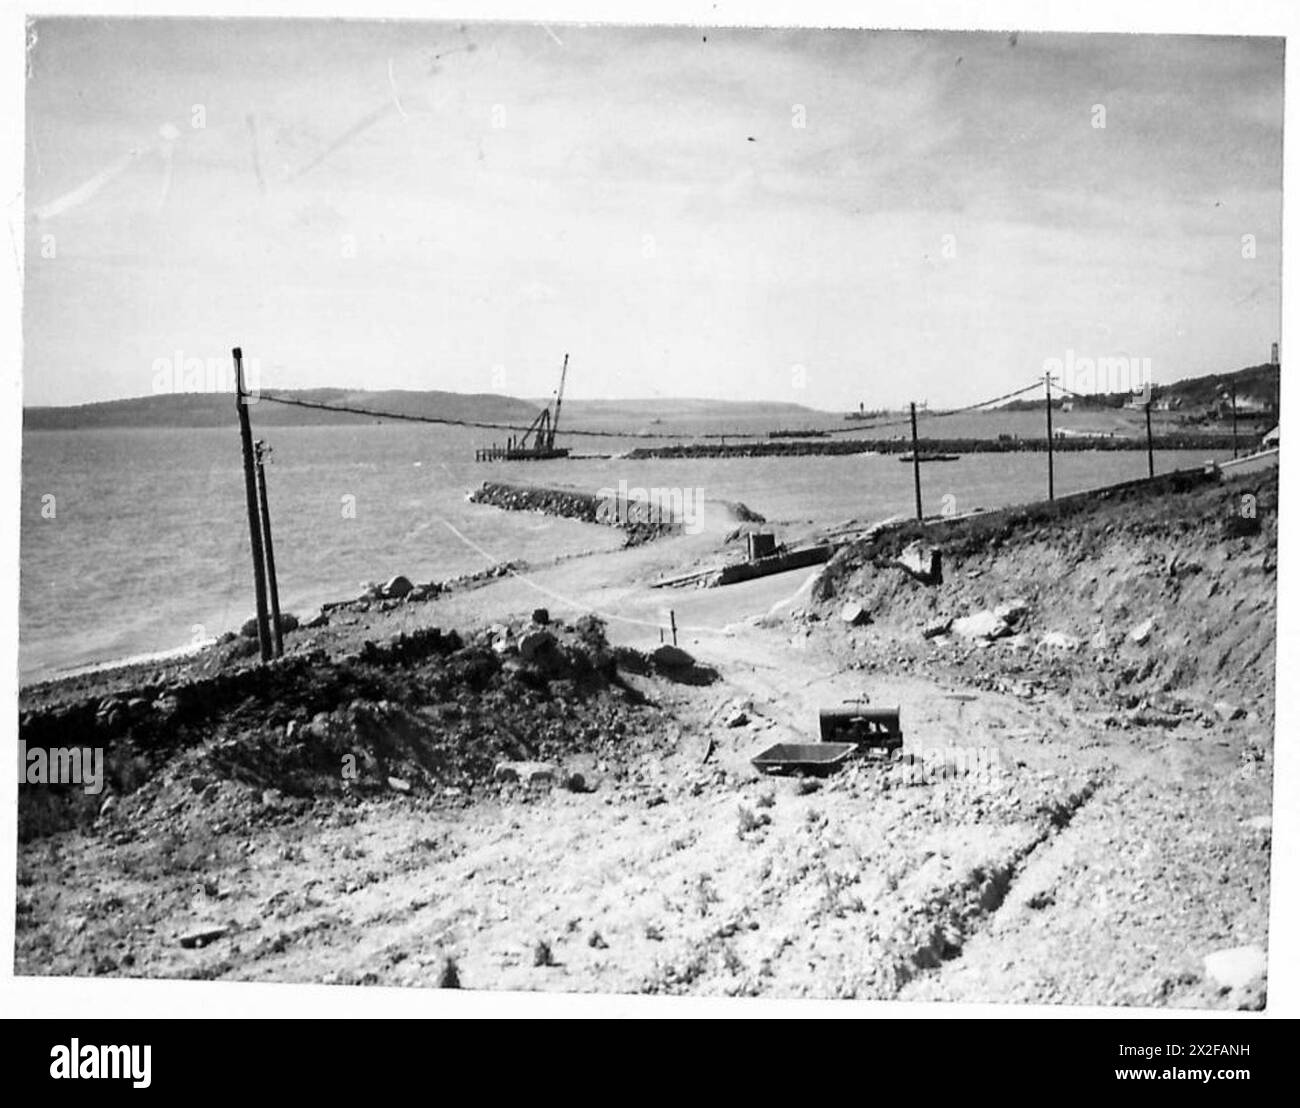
587, 432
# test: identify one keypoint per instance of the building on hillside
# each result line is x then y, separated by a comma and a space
1247, 406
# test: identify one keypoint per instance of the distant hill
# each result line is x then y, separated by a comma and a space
680, 411
1189, 395
684, 406
218, 409
1259, 381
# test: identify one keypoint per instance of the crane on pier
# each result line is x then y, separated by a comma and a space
537, 443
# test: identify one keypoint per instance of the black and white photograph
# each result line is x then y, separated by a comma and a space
709, 510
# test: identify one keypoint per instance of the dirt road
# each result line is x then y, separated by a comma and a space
1060, 872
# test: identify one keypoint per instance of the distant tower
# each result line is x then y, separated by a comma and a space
1274, 359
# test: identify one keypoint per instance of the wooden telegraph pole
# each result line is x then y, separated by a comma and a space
1151, 458
1051, 481
260, 450
916, 464
250, 491
1234, 417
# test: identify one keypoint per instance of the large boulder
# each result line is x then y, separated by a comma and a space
937, 627
671, 657
535, 645
1012, 610
923, 562
288, 622
1059, 640
1227, 711
738, 713
529, 773
395, 588
981, 625
854, 614
1142, 632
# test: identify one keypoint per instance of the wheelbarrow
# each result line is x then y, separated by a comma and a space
808, 759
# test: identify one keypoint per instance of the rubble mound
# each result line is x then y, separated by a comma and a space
428, 714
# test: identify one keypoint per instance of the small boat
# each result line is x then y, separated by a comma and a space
929, 456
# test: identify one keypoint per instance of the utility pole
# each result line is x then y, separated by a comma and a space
250, 492
916, 465
1151, 458
260, 450
1230, 394
1051, 483
1234, 418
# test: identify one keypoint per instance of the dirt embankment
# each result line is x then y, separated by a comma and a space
1159, 602
1137, 630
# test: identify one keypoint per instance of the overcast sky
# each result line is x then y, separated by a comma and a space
353, 212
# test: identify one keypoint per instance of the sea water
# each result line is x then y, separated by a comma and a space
136, 541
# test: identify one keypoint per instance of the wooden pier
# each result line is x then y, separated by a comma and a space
496, 453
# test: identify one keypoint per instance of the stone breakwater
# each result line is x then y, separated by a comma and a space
782, 448
575, 504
